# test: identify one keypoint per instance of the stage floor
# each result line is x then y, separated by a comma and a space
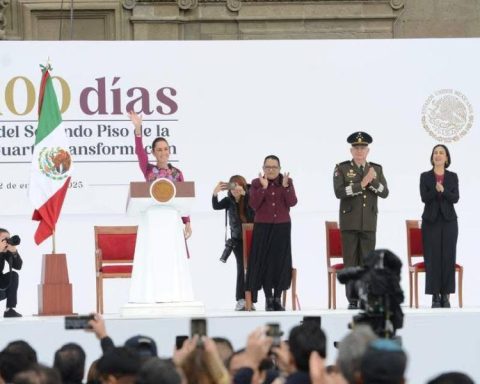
436, 341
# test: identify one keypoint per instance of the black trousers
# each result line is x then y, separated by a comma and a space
356, 245
9, 281
440, 254
240, 285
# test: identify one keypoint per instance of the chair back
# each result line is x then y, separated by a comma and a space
114, 245
333, 241
247, 235
414, 240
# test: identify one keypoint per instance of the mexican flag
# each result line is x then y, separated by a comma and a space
51, 163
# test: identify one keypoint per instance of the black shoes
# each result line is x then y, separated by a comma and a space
445, 301
352, 305
277, 305
273, 304
436, 301
269, 304
11, 313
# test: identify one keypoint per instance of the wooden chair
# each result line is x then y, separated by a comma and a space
415, 250
114, 251
247, 232
334, 251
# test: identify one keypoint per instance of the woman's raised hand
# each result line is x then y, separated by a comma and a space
263, 180
285, 179
137, 122
221, 186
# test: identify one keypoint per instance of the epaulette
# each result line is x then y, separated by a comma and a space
378, 165
344, 162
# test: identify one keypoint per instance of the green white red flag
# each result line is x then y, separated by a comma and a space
51, 163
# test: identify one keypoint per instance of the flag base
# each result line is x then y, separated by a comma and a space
55, 291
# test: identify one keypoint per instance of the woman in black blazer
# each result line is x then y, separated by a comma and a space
439, 191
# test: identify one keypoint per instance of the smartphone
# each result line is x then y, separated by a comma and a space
179, 340
317, 320
78, 322
198, 327
274, 331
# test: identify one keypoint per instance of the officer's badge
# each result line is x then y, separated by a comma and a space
351, 174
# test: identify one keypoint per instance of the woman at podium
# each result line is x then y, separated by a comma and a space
270, 263
163, 169
160, 271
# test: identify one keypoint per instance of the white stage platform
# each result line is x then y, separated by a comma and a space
436, 340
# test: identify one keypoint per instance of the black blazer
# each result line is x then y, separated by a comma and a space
439, 203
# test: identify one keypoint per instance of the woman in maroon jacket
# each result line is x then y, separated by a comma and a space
270, 263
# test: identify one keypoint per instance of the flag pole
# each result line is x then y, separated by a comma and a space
53, 242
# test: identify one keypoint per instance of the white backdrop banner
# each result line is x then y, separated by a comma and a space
224, 106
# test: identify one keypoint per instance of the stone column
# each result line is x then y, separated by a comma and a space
3, 21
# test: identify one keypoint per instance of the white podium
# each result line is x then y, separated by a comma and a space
161, 283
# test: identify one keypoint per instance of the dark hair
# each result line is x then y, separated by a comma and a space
158, 139
11, 363
158, 370
118, 361
70, 362
22, 347
449, 159
3, 230
303, 340
272, 157
38, 374
452, 378
240, 180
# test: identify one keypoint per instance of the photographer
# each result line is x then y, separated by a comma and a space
9, 280
239, 212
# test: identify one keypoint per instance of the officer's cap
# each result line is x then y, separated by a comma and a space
359, 138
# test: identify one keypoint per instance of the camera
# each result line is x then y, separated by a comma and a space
273, 330
230, 244
78, 322
179, 340
198, 327
14, 240
376, 285
231, 186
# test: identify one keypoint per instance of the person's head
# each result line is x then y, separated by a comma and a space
22, 347
440, 156
359, 149
452, 378
117, 364
38, 374
144, 346
271, 167
384, 362
161, 150
224, 347
239, 181
11, 363
4, 235
303, 340
351, 350
69, 361
93, 377
156, 371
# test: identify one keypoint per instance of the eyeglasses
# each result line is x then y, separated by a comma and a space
271, 167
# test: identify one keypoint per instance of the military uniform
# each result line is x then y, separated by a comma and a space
358, 210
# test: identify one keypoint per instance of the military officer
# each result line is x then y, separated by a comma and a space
358, 183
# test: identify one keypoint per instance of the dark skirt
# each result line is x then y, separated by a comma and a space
270, 261
440, 253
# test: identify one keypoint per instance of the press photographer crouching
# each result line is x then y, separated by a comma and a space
238, 211
378, 291
9, 280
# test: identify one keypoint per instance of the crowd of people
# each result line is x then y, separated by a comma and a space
298, 358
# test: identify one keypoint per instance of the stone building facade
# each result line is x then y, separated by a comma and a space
236, 19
